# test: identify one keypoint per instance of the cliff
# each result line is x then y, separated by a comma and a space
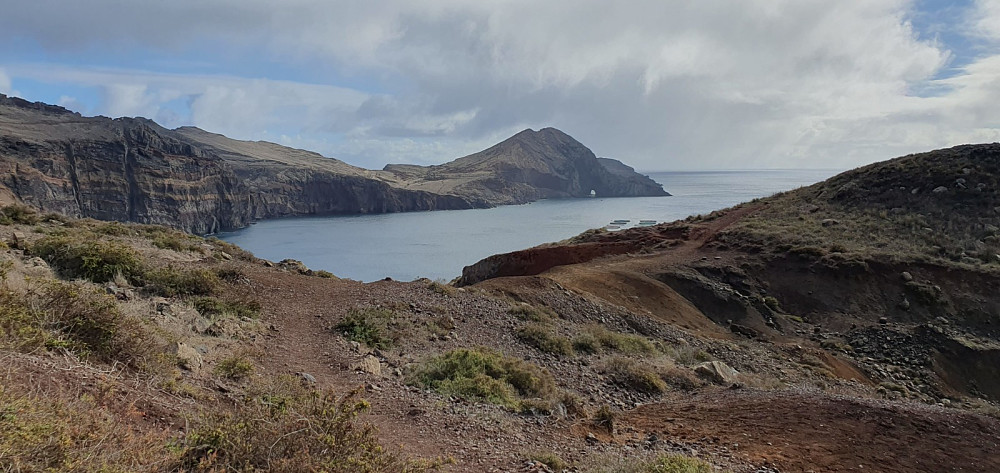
131, 169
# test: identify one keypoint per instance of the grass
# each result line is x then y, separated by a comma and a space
71, 316
18, 214
549, 459
214, 307
96, 260
532, 313
235, 367
542, 337
368, 326
886, 211
50, 433
596, 338
170, 281
441, 288
485, 375
662, 463
634, 376
281, 426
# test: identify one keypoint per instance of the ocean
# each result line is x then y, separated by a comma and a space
437, 245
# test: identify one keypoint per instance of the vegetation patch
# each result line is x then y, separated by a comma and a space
542, 337
368, 326
283, 426
214, 307
485, 375
596, 338
95, 260
633, 375
235, 367
664, 463
80, 319
170, 281
44, 433
16, 213
549, 459
531, 313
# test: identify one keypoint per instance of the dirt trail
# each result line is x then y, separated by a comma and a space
819, 433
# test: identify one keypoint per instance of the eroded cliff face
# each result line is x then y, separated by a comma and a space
124, 169
131, 169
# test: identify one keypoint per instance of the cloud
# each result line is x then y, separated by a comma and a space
5, 84
660, 84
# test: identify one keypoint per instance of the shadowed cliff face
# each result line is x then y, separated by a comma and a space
131, 169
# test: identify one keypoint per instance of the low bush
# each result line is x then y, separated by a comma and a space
368, 326
549, 459
16, 213
235, 367
176, 241
285, 427
597, 337
170, 281
77, 318
540, 336
485, 375
663, 463
48, 433
531, 313
98, 261
214, 307
633, 375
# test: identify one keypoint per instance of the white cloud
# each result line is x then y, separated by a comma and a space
660, 84
5, 83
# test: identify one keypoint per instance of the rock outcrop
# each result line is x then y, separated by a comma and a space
131, 169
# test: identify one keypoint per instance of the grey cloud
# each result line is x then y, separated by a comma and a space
661, 84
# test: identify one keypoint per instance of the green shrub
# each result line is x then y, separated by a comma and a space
531, 313
176, 241
586, 343
77, 318
324, 274
235, 367
597, 337
632, 375
214, 307
16, 213
368, 326
549, 459
772, 303
672, 463
289, 428
541, 337
170, 281
663, 463
98, 261
485, 375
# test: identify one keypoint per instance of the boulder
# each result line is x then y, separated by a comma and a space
201, 324
187, 357
717, 371
368, 364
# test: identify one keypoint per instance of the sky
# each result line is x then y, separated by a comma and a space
658, 84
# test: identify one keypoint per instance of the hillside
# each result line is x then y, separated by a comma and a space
753, 339
131, 169
528, 166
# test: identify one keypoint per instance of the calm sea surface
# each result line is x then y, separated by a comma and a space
436, 245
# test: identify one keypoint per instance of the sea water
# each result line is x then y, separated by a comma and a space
437, 245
